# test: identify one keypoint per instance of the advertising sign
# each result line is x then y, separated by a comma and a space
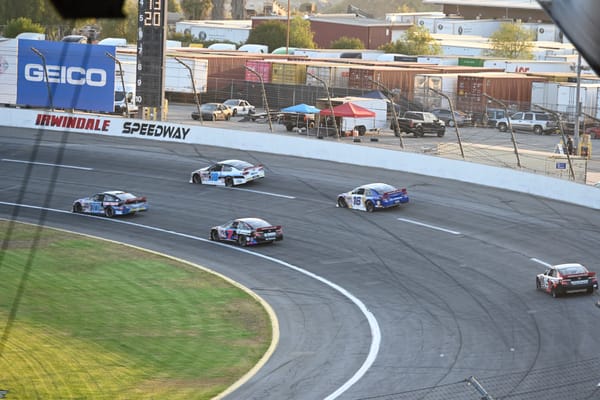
66, 75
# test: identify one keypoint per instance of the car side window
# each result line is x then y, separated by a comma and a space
98, 197
368, 192
234, 224
216, 167
227, 168
528, 117
360, 191
517, 116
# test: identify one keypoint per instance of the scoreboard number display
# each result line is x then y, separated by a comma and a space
150, 52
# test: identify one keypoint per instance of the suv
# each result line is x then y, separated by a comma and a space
529, 121
445, 115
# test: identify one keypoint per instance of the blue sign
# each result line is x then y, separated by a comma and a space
561, 165
78, 76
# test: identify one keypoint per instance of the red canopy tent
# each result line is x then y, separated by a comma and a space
349, 110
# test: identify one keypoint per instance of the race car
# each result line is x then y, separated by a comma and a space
228, 173
373, 196
110, 203
247, 232
566, 278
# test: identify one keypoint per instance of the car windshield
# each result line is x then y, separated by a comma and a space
125, 196
572, 269
256, 223
208, 107
382, 188
231, 103
238, 164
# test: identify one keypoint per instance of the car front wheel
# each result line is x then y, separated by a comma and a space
214, 236
242, 240
196, 178
77, 208
502, 127
538, 130
342, 203
370, 206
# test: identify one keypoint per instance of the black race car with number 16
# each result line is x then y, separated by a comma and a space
247, 232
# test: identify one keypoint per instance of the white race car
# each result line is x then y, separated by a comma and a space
228, 173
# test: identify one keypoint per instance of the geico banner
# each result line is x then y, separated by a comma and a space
66, 75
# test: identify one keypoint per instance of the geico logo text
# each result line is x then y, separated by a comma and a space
71, 75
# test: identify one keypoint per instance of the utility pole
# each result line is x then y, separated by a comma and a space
394, 114
337, 133
562, 134
196, 96
264, 94
462, 152
512, 133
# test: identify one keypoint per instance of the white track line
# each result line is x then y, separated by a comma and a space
373, 324
267, 193
437, 228
47, 164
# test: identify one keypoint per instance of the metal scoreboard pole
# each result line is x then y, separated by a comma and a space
151, 46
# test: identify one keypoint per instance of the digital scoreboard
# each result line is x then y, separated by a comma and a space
152, 16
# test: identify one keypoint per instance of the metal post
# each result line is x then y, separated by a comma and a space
264, 94
462, 153
39, 53
562, 134
196, 97
394, 115
578, 104
287, 37
512, 133
122, 82
337, 133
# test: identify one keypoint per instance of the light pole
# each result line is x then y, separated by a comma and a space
562, 135
122, 82
462, 152
196, 97
512, 133
50, 99
287, 37
264, 94
394, 114
337, 133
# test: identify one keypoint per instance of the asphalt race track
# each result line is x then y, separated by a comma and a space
447, 281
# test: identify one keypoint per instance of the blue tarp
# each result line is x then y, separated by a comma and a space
376, 94
301, 108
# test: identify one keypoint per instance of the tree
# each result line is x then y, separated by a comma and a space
417, 41
196, 9
123, 28
300, 33
346, 42
512, 40
270, 33
19, 25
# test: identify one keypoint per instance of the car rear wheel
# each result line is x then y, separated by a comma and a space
214, 236
503, 127
538, 130
342, 202
537, 284
229, 181
242, 240
370, 206
450, 123
109, 212
234, 112
196, 178
554, 292
77, 208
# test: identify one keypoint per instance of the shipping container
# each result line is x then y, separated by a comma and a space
438, 60
262, 68
471, 61
444, 83
527, 66
567, 98
545, 94
512, 89
478, 27
392, 78
334, 75
288, 73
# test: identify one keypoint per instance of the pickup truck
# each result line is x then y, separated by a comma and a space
419, 123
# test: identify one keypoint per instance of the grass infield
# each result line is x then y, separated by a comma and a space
98, 320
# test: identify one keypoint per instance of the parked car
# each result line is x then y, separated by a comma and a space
530, 121
228, 173
566, 278
247, 232
75, 39
492, 115
419, 123
445, 115
110, 203
240, 107
213, 112
372, 196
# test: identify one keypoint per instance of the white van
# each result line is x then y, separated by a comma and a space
254, 48
125, 100
119, 42
222, 46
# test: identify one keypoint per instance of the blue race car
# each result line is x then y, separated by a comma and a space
247, 231
372, 196
228, 173
110, 203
